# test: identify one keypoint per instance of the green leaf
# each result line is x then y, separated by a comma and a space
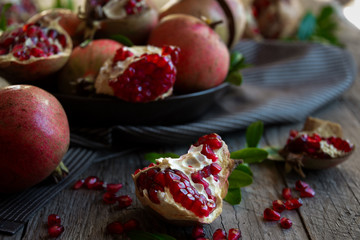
307, 27
250, 155
273, 153
122, 39
238, 179
151, 157
234, 78
3, 22
142, 235
245, 168
254, 133
233, 196
85, 43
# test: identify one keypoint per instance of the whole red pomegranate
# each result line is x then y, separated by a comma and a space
68, 20
189, 188
79, 73
34, 136
139, 74
132, 18
231, 13
204, 58
33, 51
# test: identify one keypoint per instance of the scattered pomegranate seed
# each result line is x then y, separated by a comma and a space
234, 234
286, 193
219, 234
113, 187
124, 201
54, 220
90, 182
278, 206
131, 225
285, 223
79, 183
99, 185
300, 185
294, 203
197, 232
55, 231
307, 193
271, 215
115, 228
109, 198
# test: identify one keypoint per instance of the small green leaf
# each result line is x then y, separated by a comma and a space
142, 235
234, 78
151, 157
85, 43
122, 39
273, 153
250, 155
307, 26
238, 179
245, 168
3, 22
233, 196
254, 133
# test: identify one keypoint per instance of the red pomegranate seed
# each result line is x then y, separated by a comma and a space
215, 168
219, 234
54, 219
109, 198
209, 153
79, 183
55, 231
197, 232
62, 40
52, 33
121, 54
271, 215
293, 203
300, 185
124, 201
91, 181
234, 234
160, 179
137, 171
115, 228
113, 187
99, 185
286, 193
307, 193
285, 223
278, 206
131, 225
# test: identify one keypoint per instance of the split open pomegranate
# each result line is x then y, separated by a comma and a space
33, 51
189, 188
139, 74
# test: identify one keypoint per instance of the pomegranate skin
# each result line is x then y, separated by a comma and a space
204, 58
34, 136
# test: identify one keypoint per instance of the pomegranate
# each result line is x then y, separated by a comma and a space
68, 20
139, 74
231, 13
277, 18
204, 58
134, 19
33, 51
19, 12
34, 136
79, 74
189, 188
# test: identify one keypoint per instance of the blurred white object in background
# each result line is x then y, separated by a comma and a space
351, 12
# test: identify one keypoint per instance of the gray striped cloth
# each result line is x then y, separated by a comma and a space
286, 83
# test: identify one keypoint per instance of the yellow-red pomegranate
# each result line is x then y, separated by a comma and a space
139, 74
33, 51
34, 136
230, 12
204, 58
79, 74
189, 188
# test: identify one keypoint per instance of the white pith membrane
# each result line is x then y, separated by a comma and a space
48, 24
109, 72
174, 211
115, 9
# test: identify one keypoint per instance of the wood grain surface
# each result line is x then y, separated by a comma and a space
334, 213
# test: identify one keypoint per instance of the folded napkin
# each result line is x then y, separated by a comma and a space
286, 83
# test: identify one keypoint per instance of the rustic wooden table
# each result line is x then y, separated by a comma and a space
334, 213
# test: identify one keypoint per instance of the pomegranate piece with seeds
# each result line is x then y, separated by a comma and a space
234, 234
33, 51
219, 234
271, 215
188, 188
139, 74
285, 223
